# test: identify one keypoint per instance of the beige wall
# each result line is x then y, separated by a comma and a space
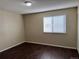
11, 29
34, 28
78, 31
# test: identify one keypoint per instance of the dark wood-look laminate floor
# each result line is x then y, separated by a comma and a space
36, 51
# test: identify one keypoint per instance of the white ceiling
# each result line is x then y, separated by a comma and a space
37, 6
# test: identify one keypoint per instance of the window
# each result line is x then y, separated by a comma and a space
54, 24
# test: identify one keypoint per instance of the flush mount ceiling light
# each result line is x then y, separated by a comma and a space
28, 3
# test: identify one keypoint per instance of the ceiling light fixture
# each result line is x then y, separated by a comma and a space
28, 3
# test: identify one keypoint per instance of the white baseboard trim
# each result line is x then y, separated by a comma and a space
12, 46
37, 43
51, 45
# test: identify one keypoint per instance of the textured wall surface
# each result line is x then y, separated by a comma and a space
78, 31
34, 28
11, 29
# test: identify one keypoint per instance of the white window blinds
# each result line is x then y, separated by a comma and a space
54, 24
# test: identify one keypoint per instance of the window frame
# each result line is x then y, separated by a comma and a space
52, 24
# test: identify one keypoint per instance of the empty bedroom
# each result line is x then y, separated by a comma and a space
39, 29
